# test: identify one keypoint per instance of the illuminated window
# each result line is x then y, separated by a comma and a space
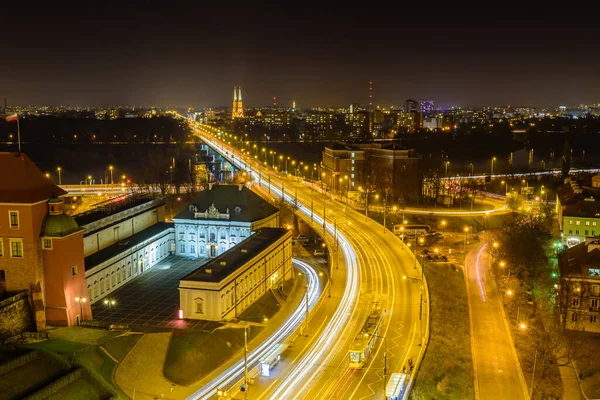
570, 222
48, 244
577, 222
594, 272
16, 248
587, 223
14, 219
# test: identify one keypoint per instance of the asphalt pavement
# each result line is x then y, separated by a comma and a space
498, 374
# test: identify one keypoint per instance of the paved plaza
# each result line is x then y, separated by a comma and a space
152, 299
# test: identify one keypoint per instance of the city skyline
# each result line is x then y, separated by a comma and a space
192, 56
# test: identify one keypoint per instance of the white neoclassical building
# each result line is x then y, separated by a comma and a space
227, 285
220, 218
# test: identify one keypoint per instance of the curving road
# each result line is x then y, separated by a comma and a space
375, 263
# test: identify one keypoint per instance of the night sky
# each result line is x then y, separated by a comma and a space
192, 55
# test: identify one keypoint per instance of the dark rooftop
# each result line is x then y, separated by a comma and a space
107, 253
342, 146
237, 256
573, 261
111, 206
243, 205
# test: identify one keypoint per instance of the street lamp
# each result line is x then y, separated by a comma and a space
472, 167
329, 279
59, 169
80, 300
493, 159
110, 167
446, 166
466, 230
537, 345
443, 226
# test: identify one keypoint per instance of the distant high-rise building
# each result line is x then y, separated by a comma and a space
237, 110
411, 105
425, 106
370, 95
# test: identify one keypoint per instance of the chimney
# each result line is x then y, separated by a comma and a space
210, 185
241, 186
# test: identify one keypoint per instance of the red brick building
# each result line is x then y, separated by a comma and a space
41, 248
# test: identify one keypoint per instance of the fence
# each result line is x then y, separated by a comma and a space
24, 335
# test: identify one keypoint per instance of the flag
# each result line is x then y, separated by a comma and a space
12, 117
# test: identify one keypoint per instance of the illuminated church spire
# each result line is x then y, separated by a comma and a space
237, 111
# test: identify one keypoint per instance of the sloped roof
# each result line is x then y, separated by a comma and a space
572, 261
23, 182
243, 205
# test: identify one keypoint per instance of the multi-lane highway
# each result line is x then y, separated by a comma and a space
372, 269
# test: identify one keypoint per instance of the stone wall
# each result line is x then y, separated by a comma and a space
18, 362
15, 315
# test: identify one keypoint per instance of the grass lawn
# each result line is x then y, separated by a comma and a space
25, 380
60, 348
447, 368
119, 347
100, 366
80, 389
194, 354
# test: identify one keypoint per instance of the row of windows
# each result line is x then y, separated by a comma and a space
250, 286
587, 232
574, 318
15, 246
111, 280
587, 223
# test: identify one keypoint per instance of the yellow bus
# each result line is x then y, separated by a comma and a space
365, 340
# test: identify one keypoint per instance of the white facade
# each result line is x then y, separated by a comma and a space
113, 273
227, 298
212, 233
108, 231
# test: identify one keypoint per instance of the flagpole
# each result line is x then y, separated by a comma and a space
18, 134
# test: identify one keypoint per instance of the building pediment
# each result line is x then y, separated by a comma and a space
212, 213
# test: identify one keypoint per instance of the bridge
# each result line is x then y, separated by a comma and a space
368, 272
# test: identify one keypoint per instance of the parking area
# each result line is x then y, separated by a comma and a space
152, 299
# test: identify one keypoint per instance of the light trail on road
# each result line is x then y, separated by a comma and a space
339, 321
372, 263
479, 282
232, 374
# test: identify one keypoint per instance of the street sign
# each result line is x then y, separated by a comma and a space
527, 190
